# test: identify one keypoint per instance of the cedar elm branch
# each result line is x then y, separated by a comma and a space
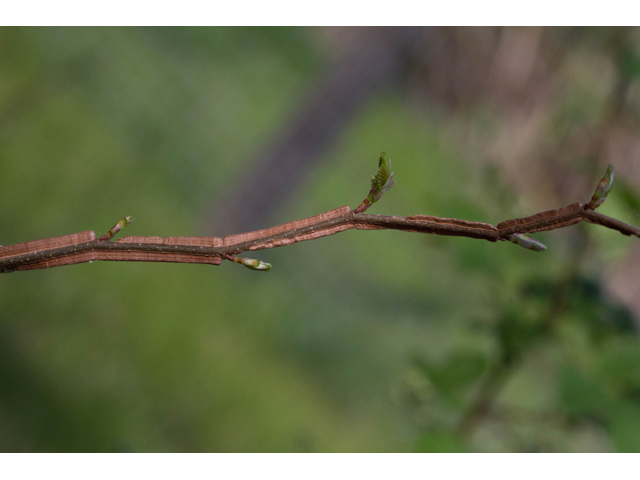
85, 247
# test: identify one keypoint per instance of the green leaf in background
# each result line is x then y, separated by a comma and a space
456, 373
440, 441
583, 396
628, 196
619, 365
625, 418
630, 64
516, 333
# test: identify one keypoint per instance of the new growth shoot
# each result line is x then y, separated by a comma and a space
122, 223
251, 263
380, 183
526, 241
602, 190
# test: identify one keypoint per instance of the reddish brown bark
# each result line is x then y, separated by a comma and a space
83, 247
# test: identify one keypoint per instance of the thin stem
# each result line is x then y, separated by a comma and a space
597, 218
83, 247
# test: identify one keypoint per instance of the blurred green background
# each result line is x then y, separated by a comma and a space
363, 341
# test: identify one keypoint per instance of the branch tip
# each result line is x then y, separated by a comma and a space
380, 183
602, 190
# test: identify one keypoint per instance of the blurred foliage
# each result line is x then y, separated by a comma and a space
363, 341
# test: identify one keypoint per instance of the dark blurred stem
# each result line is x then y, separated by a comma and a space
485, 399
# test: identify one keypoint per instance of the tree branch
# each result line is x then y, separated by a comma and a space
84, 247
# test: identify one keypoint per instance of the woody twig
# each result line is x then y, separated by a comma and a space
84, 247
